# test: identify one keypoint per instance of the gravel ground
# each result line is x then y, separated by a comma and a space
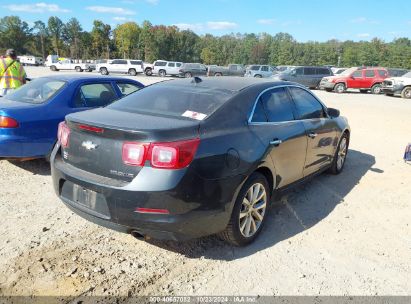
336, 235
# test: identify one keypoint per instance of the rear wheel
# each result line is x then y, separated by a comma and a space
340, 155
339, 88
218, 74
376, 88
406, 93
162, 73
258, 76
103, 71
249, 212
78, 69
53, 68
188, 75
132, 72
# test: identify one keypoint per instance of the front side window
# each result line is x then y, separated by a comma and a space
323, 71
357, 74
160, 63
127, 88
308, 107
96, 94
309, 71
255, 68
382, 73
264, 68
171, 64
299, 71
178, 64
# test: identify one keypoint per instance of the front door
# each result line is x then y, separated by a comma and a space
320, 132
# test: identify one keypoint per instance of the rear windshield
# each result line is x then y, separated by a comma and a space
175, 101
37, 91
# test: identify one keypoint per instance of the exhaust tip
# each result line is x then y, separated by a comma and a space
139, 236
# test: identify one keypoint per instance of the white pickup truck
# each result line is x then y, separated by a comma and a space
69, 64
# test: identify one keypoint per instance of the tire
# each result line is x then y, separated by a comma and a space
188, 75
406, 93
218, 74
363, 91
340, 156
162, 73
78, 69
132, 72
258, 76
53, 68
103, 71
148, 72
233, 233
340, 88
376, 88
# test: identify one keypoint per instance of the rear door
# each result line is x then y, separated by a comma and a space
94, 95
274, 123
171, 68
319, 130
369, 79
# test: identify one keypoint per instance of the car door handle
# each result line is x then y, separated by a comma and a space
276, 142
312, 135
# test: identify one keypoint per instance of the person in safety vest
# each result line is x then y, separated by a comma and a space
12, 73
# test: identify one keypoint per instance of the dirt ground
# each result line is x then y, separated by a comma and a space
337, 235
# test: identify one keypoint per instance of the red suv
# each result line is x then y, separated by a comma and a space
364, 79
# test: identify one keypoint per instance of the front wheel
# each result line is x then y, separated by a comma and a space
132, 72
162, 73
188, 75
258, 76
340, 155
376, 88
53, 68
103, 71
218, 74
79, 69
148, 72
406, 93
339, 88
249, 212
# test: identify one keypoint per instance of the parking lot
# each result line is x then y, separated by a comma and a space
336, 235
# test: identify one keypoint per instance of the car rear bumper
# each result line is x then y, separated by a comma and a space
197, 207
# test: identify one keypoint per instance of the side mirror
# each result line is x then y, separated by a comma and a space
333, 112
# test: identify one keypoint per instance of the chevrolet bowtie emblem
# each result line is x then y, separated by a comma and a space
89, 145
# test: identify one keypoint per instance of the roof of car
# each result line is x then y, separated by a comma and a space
223, 83
76, 77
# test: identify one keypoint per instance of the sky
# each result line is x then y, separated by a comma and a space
305, 20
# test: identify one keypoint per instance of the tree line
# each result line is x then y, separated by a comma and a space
151, 42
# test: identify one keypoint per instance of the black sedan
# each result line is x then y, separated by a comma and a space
193, 157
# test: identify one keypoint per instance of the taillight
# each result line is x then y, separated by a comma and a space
63, 134
165, 155
8, 122
134, 154
91, 128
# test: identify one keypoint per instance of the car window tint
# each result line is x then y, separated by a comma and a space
357, 74
127, 88
173, 100
178, 64
382, 73
369, 73
299, 71
323, 71
171, 64
307, 105
255, 68
259, 113
135, 62
309, 71
264, 68
98, 94
278, 105
160, 63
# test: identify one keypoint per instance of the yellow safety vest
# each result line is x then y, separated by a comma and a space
14, 76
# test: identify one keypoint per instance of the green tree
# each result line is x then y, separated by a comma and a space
126, 38
101, 42
41, 33
72, 32
55, 28
14, 33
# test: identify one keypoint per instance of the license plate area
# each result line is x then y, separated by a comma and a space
80, 196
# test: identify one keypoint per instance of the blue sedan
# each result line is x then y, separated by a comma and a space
29, 117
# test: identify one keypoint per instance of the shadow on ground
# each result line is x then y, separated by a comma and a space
35, 166
297, 211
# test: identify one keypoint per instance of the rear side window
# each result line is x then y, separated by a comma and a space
178, 64
173, 100
309, 71
119, 62
369, 73
135, 62
277, 105
255, 68
308, 107
96, 94
264, 68
299, 71
171, 64
323, 71
127, 88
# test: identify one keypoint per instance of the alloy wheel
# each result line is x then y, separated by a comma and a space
253, 210
342, 153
